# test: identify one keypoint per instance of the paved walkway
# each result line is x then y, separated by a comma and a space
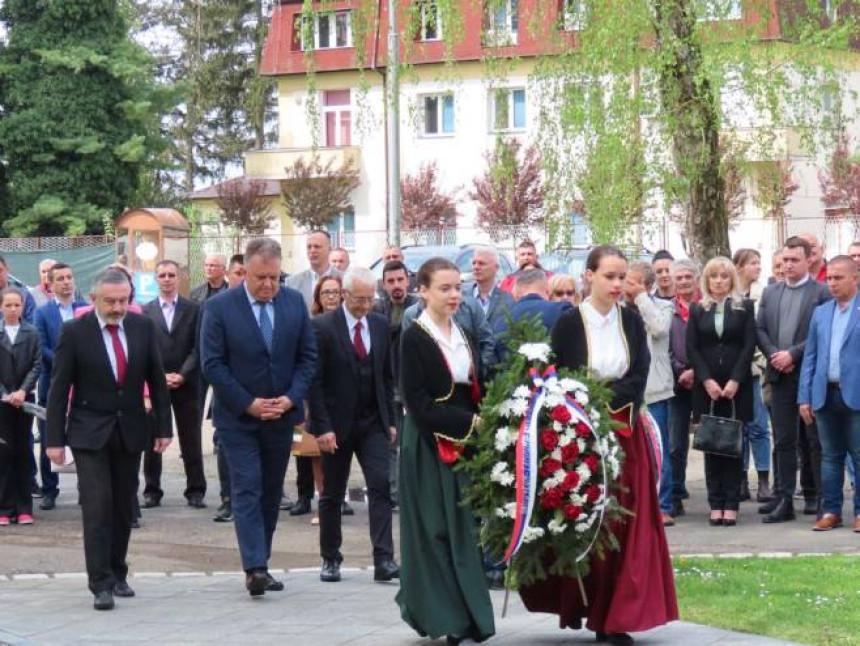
185, 610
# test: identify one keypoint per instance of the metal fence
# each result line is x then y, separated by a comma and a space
54, 243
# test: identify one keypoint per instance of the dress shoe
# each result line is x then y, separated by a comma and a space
196, 500
685, 494
330, 571
619, 639
135, 524
768, 507
495, 579
48, 502
256, 582
35, 490
286, 504
784, 511
150, 501
745, 489
386, 571
827, 522
273, 585
346, 510
730, 521
122, 589
715, 522
302, 507
810, 507
224, 513
677, 509
103, 600
451, 640
575, 624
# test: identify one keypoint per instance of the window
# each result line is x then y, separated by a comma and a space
431, 27
342, 230
573, 15
502, 23
711, 10
508, 109
438, 115
337, 115
328, 31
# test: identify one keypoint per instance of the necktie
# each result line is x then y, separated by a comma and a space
358, 342
265, 325
119, 353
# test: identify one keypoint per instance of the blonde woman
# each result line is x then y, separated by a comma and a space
562, 287
720, 344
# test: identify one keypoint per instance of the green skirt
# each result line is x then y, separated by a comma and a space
442, 586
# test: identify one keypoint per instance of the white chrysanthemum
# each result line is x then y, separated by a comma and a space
558, 427
508, 511
556, 454
585, 525
535, 351
565, 438
581, 445
553, 481
519, 407
582, 397
594, 415
572, 385
522, 392
532, 534
577, 498
584, 472
504, 439
556, 527
501, 474
552, 400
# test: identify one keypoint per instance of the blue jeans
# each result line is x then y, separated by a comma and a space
660, 412
757, 433
680, 410
839, 434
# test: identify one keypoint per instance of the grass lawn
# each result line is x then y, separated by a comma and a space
810, 600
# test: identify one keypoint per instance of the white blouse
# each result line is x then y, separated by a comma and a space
456, 351
608, 357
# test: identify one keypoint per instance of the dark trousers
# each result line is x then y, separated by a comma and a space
108, 487
304, 477
50, 480
723, 477
371, 446
257, 460
223, 468
786, 442
680, 411
186, 410
394, 450
15, 453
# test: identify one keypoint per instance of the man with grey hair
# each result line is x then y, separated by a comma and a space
259, 355
495, 302
215, 270
42, 292
351, 406
106, 424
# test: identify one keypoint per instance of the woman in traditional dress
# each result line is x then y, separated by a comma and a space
442, 585
631, 589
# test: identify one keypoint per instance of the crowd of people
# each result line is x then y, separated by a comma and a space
379, 369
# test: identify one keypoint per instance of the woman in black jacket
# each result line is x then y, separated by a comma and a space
20, 365
720, 345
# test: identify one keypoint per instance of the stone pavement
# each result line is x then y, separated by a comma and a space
185, 610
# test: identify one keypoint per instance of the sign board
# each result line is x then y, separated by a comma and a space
145, 287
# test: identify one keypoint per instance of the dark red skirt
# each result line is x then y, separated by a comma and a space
633, 589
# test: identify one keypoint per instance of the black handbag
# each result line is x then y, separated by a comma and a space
720, 435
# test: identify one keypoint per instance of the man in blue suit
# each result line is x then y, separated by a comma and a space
495, 302
49, 318
830, 388
260, 357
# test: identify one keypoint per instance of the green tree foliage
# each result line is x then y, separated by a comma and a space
80, 115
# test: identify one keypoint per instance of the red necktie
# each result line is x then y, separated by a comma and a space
119, 353
358, 342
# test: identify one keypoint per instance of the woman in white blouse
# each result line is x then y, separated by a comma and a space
631, 589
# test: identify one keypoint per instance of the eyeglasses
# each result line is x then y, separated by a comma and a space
361, 300
167, 275
329, 293
565, 293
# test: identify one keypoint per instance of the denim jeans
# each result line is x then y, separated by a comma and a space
680, 410
839, 433
757, 433
660, 411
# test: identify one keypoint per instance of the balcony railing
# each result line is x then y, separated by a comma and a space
271, 163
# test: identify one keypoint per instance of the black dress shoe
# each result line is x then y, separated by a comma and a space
783, 512
103, 600
150, 501
451, 640
196, 500
619, 639
48, 502
386, 571
224, 513
768, 507
135, 524
35, 490
810, 507
677, 509
122, 589
346, 510
256, 582
286, 504
273, 585
330, 571
302, 507
575, 624
495, 579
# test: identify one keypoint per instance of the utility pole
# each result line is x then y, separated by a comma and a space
392, 73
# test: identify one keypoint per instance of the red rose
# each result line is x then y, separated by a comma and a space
592, 461
549, 439
548, 467
572, 512
560, 414
569, 453
551, 498
592, 493
571, 481
582, 430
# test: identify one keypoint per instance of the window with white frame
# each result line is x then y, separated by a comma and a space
438, 115
573, 15
508, 109
712, 10
342, 230
502, 22
330, 30
337, 118
431, 25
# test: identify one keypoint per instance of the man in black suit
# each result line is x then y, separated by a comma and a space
106, 356
785, 310
352, 413
176, 319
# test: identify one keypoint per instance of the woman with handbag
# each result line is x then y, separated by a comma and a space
442, 585
721, 340
632, 589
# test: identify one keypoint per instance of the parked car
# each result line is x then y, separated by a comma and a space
461, 255
571, 261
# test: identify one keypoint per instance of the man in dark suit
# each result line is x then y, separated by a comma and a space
176, 320
48, 320
215, 270
260, 357
352, 413
107, 355
495, 302
785, 311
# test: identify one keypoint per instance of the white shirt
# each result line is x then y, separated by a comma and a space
168, 308
67, 312
108, 341
12, 331
456, 351
351, 322
607, 351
